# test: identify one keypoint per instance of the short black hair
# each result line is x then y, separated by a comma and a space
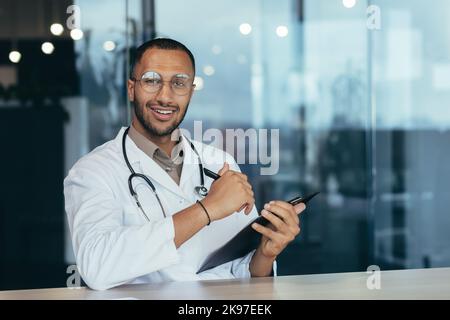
159, 43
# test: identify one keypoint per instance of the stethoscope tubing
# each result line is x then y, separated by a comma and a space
200, 190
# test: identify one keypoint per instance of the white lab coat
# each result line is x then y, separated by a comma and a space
113, 242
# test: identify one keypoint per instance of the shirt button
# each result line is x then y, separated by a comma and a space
168, 169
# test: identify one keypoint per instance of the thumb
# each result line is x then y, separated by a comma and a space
224, 169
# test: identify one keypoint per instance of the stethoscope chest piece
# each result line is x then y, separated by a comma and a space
201, 191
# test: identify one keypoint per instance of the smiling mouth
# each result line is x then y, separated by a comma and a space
163, 113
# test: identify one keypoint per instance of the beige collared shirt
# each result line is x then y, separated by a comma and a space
173, 164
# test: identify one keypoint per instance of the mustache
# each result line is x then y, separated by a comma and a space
162, 105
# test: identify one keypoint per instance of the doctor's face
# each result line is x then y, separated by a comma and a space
161, 90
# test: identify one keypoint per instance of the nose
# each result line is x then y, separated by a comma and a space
165, 94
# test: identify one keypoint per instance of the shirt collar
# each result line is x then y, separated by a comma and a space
151, 149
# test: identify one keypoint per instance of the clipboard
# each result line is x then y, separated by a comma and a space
245, 241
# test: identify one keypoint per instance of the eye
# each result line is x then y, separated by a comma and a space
179, 83
151, 81
151, 78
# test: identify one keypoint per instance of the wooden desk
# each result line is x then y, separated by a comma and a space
404, 284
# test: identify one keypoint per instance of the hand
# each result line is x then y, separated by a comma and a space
283, 227
228, 194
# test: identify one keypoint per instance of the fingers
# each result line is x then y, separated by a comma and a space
249, 207
239, 182
241, 175
299, 208
286, 213
282, 220
247, 191
279, 224
250, 200
225, 168
269, 233
246, 185
236, 175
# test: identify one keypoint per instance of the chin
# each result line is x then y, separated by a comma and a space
163, 131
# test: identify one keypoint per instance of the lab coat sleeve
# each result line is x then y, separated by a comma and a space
109, 254
240, 268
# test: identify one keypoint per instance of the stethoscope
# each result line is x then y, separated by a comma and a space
200, 190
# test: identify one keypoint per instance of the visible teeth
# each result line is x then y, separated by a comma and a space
164, 111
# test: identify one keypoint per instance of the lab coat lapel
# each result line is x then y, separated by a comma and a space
155, 172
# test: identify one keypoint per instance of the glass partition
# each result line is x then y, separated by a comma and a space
411, 89
345, 97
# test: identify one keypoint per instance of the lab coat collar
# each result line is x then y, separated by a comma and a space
150, 168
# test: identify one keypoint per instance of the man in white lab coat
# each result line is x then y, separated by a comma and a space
117, 240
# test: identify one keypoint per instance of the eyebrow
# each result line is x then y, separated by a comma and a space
181, 75
177, 75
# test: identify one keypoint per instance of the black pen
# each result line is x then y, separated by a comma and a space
211, 174
294, 201
304, 200
263, 221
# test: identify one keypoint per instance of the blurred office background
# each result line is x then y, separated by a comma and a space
358, 89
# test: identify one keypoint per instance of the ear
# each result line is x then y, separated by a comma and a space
130, 89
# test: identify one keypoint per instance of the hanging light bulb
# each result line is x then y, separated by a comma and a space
57, 29
245, 28
282, 31
15, 56
109, 45
76, 34
47, 47
349, 3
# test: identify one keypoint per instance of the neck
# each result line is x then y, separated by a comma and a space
165, 143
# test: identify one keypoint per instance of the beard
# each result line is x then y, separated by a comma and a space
152, 130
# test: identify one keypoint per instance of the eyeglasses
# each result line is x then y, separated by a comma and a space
151, 82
